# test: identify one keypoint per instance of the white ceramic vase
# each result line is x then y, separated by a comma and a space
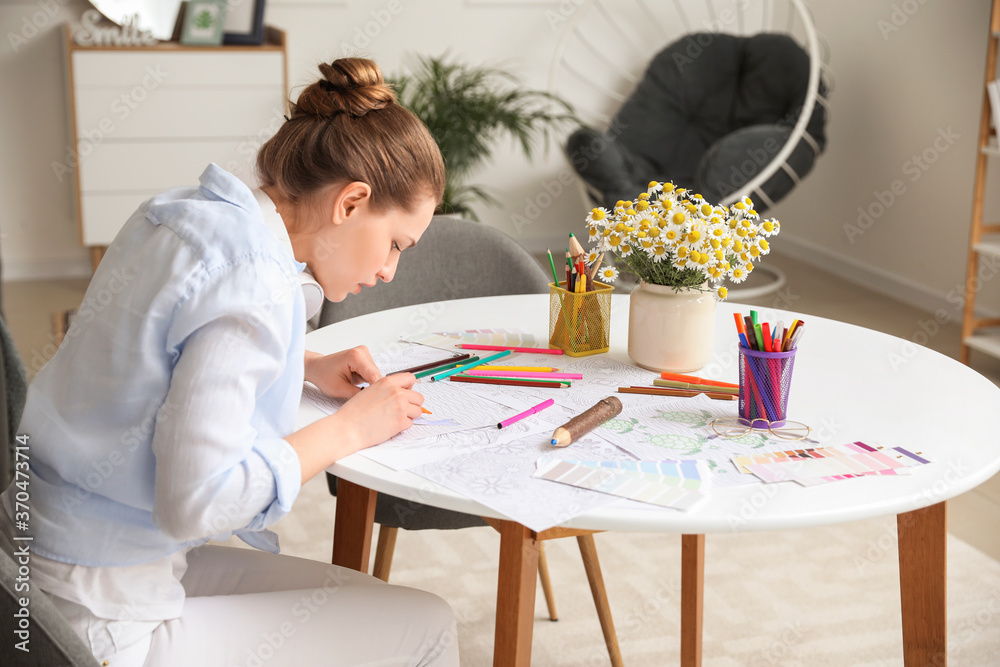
668, 330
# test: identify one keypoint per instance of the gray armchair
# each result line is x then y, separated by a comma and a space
457, 259
52, 641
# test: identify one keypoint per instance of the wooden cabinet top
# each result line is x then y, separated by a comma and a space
274, 40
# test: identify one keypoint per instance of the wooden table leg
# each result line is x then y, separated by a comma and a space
515, 595
692, 595
922, 586
352, 528
588, 550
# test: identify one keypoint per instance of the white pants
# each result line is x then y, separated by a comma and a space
249, 608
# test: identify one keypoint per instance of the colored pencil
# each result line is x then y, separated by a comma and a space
485, 360
574, 246
596, 266
682, 393
568, 383
432, 364
552, 265
673, 384
444, 367
425, 410
537, 369
527, 413
697, 380
511, 383
538, 350
489, 372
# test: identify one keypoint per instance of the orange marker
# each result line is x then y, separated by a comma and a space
695, 380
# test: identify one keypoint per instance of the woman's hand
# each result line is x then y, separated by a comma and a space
382, 410
374, 415
339, 374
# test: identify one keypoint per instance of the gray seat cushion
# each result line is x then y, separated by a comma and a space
707, 102
455, 259
52, 643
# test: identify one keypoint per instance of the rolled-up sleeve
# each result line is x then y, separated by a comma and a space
215, 472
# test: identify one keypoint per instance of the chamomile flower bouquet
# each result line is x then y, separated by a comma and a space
673, 237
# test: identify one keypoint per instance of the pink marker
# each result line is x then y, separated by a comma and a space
527, 413
529, 374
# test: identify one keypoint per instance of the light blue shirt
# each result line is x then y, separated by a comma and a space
158, 424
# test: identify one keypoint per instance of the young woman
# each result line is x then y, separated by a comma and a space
166, 418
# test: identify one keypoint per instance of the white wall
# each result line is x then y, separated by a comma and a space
896, 92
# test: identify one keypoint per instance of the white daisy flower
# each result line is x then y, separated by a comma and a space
607, 274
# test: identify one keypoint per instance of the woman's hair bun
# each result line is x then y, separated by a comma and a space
349, 85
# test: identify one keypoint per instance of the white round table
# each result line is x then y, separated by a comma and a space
849, 384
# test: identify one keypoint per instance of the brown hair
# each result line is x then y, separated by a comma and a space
347, 127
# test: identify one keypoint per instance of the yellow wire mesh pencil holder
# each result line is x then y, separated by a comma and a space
580, 323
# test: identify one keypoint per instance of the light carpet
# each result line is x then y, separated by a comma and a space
815, 597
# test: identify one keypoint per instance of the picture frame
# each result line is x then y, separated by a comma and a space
244, 22
203, 22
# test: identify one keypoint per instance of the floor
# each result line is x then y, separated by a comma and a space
973, 517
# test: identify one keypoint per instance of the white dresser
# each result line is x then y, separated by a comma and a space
146, 119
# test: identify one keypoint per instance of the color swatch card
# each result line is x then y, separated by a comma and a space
449, 339
690, 475
823, 465
621, 482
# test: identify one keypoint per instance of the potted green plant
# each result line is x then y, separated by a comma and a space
468, 110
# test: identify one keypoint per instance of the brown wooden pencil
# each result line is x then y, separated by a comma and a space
597, 265
432, 364
512, 383
586, 421
684, 393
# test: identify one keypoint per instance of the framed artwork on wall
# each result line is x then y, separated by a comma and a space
244, 22
203, 22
